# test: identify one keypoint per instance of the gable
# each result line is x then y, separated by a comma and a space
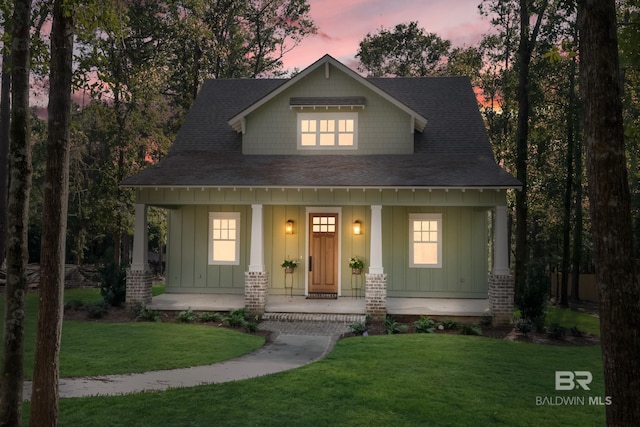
327, 94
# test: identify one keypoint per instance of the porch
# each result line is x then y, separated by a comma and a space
282, 305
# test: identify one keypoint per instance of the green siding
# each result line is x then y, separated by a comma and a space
188, 269
464, 254
464, 251
382, 127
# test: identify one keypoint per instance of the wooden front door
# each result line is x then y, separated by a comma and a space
323, 252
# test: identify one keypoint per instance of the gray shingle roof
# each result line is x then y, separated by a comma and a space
207, 150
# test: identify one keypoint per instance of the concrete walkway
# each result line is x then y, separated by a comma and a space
294, 344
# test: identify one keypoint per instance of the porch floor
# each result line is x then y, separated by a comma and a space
343, 305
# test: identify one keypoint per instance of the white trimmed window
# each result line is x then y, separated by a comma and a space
327, 130
224, 235
425, 240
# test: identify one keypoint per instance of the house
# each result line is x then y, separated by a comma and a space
321, 168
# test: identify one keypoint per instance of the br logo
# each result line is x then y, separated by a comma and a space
570, 380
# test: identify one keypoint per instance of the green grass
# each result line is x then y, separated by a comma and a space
99, 348
400, 380
569, 318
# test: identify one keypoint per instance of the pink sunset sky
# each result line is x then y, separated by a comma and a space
342, 24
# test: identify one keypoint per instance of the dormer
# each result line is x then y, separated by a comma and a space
328, 109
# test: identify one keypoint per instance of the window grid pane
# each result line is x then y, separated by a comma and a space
329, 132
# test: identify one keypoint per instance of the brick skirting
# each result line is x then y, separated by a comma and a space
375, 295
501, 294
139, 283
256, 285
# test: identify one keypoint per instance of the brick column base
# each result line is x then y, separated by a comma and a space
501, 294
256, 284
375, 296
138, 287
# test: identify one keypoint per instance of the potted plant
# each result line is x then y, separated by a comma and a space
289, 265
356, 265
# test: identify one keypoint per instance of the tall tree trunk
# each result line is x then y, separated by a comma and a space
44, 397
18, 217
576, 258
5, 119
566, 228
524, 57
610, 203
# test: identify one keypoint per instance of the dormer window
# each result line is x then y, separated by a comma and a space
327, 130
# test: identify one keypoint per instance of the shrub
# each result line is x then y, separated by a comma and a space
186, 316
210, 317
392, 326
149, 316
97, 310
448, 324
113, 284
242, 318
524, 326
469, 329
556, 331
425, 325
358, 328
532, 299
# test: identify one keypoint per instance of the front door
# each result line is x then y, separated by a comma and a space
323, 252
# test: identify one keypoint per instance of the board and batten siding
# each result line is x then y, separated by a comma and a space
382, 127
280, 246
464, 254
188, 269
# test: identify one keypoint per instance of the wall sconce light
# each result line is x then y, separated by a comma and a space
288, 228
357, 228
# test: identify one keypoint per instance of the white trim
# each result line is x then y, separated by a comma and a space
140, 239
426, 217
335, 116
311, 210
235, 121
501, 243
375, 253
224, 215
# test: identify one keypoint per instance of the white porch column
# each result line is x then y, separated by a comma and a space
256, 261
375, 257
138, 276
140, 239
501, 243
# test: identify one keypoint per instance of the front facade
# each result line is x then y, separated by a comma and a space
323, 168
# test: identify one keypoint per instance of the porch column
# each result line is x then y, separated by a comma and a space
376, 280
501, 244
139, 277
375, 258
501, 286
256, 280
256, 261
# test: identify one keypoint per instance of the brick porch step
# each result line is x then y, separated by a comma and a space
314, 317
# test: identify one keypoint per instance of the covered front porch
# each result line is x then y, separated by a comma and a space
300, 305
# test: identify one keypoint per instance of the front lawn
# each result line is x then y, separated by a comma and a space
101, 348
399, 380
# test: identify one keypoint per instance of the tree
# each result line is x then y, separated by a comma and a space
403, 52
525, 50
616, 269
18, 210
5, 114
44, 398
